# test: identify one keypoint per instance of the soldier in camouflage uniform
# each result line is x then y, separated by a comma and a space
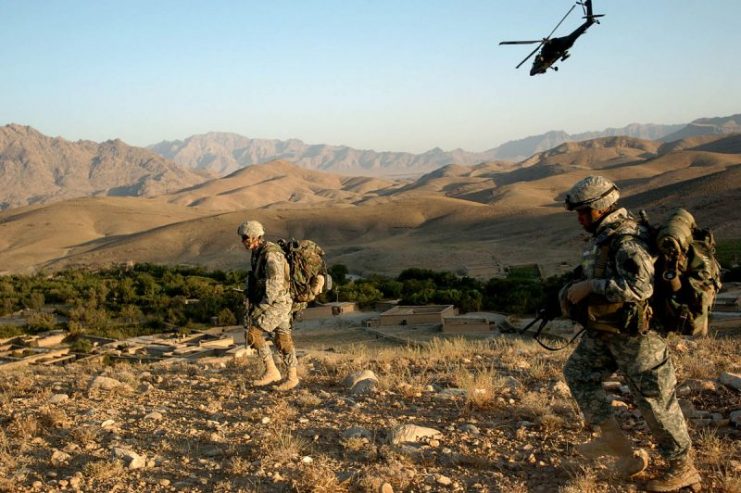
611, 301
270, 303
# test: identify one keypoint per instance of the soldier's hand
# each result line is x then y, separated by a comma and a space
578, 291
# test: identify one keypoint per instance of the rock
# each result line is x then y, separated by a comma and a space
732, 380
735, 418
443, 480
58, 398
434, 443
386, 488
105, 383
132, 459
107, 423
689, 411
450, 394
364, 387
144, 387
265, 420
612, 386
412, 433
154, 416
357, 432
307, 460
352, 379
75, 482
469, 428
164, 482
59, 457
511, 382
618, 403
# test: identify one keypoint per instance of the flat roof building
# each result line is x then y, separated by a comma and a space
416, 315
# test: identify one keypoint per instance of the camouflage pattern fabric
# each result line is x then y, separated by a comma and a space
626, 277
645, 362
271, 307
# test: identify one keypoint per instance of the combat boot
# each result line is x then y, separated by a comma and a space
680, 474
291, 380
271, 374
613, 442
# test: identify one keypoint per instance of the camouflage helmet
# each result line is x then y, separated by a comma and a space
251, 230
593, 192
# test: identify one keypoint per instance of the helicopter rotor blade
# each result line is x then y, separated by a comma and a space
520, 42
531, 54
561, 21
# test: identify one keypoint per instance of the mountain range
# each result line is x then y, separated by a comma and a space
222, 153
472, 219
36, 169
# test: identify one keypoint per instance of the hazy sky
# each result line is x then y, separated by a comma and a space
401, 75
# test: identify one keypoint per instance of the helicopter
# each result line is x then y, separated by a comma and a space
553, 49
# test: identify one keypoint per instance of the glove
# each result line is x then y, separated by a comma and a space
578, 291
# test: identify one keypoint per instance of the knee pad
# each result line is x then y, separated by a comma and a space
284, 342
255, 338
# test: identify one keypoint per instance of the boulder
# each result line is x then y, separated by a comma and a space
412, 434
131, 458
732, 380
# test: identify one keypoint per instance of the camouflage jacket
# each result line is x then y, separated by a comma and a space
617, 260
270, 289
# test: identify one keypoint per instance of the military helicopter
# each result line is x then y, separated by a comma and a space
555, 48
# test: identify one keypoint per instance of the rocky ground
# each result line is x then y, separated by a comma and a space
456, 415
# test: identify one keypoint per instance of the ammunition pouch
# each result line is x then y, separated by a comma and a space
599, 314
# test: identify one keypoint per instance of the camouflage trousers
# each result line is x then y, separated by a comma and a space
648, 369
281, 337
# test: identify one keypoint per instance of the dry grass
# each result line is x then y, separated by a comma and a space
704, 358
482, 387
25, 427
239, 466
103, 470
534, 405
280, 445
583, 481
319, 477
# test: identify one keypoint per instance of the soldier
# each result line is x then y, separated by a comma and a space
269, 311
611, 301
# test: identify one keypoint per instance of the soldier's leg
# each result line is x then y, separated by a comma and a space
649, 370
586, 368
284, 343
256, 339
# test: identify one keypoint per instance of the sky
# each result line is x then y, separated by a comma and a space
371, 74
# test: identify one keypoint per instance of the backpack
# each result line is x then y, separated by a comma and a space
687, 274
309, 276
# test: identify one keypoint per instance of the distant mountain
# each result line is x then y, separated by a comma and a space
707, 126
224, 153
37, 169
472, 219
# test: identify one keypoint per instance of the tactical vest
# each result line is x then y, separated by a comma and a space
600, 314
258, 274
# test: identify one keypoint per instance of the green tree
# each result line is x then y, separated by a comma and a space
226, 317
339, 273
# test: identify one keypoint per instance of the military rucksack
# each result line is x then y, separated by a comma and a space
309, 276
687, 274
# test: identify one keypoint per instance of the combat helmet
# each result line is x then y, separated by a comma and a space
250, 229
593, 192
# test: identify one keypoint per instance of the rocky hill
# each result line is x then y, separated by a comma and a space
455, 415
36, 169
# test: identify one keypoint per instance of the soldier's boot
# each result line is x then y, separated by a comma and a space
613, 442
680, 474
271, 374
291, 380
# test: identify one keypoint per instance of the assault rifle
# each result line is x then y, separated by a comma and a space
551, 309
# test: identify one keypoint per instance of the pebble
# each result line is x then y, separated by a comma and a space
265, 420
57, 398
154, 415
443, 480
386, 488
307, 460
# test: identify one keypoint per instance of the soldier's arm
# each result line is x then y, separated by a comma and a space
274, 279
633, 279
